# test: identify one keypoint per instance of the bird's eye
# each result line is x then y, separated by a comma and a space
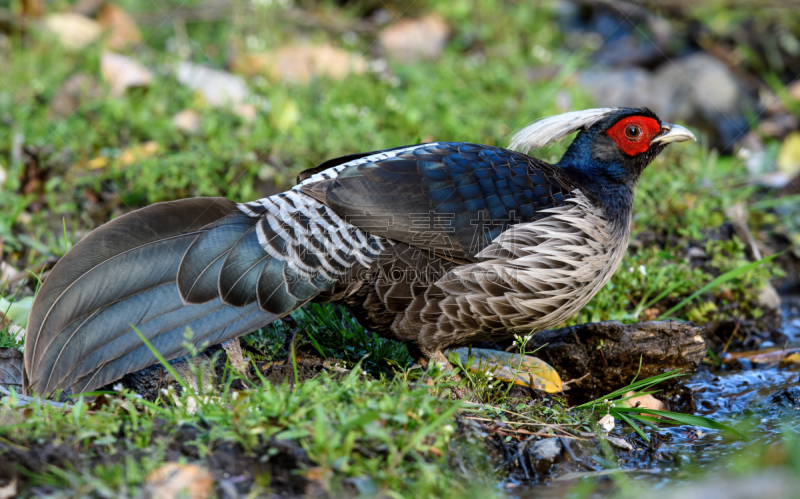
633, 131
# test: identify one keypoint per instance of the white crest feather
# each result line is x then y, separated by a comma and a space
550, 130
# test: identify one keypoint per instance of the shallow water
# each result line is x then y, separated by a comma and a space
761, 400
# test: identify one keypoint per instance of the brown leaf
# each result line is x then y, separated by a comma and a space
74, 31
74, 92
11, 368
173, 480
9, 490
123, 72
414, 39
794, 91
32, 9
301, 63
187, 121
121, 29
645, 402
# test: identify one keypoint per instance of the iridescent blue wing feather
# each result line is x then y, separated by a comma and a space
452, 198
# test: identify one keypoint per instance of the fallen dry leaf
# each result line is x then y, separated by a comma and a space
247, 112
32, 9
187, 121
766, 356
73, 30
76, 90
11, 368
789, 155
174, 480
218, 88
794, 91
138, 152
524, 370
414, 39
97, 163
123, 72
9, 490
120, 27
3, 175
7, 271
645, 402
301, 63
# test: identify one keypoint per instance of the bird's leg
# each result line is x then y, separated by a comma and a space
423, 357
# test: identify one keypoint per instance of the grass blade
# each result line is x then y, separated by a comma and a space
727, 276
633, 425
689, 419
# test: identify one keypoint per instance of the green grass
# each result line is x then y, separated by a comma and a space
387, 431
390, 437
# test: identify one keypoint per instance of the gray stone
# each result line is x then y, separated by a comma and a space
698, 90
218, 88
545, 452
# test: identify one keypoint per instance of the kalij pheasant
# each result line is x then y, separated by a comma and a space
437, 245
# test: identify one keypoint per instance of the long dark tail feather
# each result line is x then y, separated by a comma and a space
156, 269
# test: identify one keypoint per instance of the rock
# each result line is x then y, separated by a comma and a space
619, 443
187, 121
698, 90
301, 63
174, 480
411, 40
609, 353
123, 72
607, 423
121, 29
769, 298
545, 453
218, 88
74, 92
73, 30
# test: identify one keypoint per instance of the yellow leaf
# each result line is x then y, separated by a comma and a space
523, 370
99, 162
789, 155
138, 152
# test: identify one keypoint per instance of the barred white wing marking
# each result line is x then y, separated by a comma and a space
334, 172
297, 228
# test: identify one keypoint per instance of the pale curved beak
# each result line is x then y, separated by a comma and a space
673, 133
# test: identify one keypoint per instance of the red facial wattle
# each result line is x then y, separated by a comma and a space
631, 143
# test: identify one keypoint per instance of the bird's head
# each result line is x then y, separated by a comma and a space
614, 145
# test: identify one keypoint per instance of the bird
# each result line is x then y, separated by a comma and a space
437, 245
